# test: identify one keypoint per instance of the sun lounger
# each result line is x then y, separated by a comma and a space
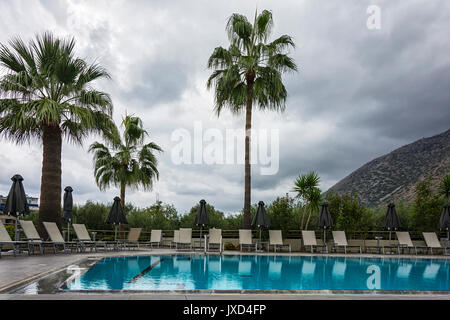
155, 237
432, 242
309, 239
5, 239
176, 238
215, 239
276, 239
340, 240
185, 238
404, 241
84, 239
245, 238
32, 236
133, 238
57, 239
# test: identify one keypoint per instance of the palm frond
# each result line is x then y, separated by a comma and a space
263, 25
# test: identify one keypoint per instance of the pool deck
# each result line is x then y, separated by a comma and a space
17, 271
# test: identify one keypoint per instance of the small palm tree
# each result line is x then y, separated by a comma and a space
249, 72
306, 187
444, 187
130, 163
45, 95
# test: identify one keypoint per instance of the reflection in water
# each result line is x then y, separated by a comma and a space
275, 269
215, 264
225, 272
308, 269
431, 271
245, 267
183, 264
339, 268
403, 270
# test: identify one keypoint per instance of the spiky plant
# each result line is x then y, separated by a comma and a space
444, 187
306, 187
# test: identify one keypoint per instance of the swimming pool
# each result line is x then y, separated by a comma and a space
246, 272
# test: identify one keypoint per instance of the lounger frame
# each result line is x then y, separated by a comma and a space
340, 241
245, 239
276, 239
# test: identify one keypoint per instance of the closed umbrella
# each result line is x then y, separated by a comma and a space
116, 216
325, 221
391, 221
16, 203
261, 219
444, 221
202, 218
67, 208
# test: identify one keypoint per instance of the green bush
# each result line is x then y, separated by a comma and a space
427, 208
158, 216
284, 214
348, 214
93, 215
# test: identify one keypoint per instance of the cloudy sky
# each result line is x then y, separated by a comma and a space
359, 92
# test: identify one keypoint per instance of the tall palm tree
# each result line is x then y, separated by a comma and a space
45, 95
129, 163
444, 187
306, 187
249, 72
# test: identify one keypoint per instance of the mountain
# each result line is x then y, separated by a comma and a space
393, 177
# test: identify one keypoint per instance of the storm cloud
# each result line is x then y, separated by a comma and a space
359, 93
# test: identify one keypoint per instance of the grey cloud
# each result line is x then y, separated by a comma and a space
376, 90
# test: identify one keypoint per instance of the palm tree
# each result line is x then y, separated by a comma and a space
45, 95
306, 186
249, 72
130, 163
444, 187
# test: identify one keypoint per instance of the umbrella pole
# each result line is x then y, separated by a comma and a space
68, 231
325, 240
115, 232
16, 238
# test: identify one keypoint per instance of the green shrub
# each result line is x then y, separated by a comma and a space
427, 208
230, 246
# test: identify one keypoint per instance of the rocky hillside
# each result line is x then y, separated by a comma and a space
393, 176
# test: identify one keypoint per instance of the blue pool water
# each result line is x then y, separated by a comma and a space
192, 272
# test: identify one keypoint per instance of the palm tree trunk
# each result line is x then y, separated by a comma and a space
122, 200
50, 198
303, 215
122, 194
309, 218
248, 130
